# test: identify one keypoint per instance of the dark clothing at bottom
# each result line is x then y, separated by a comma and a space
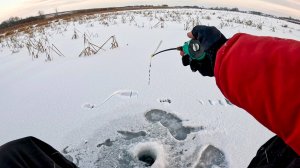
275, 154
31, 152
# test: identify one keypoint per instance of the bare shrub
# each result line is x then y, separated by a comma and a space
259, 26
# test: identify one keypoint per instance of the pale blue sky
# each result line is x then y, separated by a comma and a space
25, 8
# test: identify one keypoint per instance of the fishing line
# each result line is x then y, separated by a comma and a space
150, 65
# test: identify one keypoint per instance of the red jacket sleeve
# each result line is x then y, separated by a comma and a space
262, 76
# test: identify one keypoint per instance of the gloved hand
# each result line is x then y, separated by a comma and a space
211, 39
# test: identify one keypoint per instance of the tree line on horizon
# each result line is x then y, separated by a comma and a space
14, 21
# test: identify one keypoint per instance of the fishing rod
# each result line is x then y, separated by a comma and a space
177, 48
191, 48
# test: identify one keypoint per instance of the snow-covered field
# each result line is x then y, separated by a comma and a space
100, 111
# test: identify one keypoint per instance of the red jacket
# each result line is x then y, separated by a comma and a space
262, 76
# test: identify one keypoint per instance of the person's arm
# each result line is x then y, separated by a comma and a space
262, 76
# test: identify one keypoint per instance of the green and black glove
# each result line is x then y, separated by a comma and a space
211, 39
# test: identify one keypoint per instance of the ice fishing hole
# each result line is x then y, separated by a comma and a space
147, 156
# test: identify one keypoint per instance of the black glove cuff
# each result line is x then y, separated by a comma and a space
211, 53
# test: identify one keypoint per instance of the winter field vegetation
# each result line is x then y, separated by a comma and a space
82, 85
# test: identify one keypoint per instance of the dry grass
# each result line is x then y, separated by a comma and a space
70, 15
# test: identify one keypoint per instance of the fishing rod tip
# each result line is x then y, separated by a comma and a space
180, 48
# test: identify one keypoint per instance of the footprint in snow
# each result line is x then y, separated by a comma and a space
172, 122
88, 106
212, 102
165, 101
127, 94
107, 142
223, 102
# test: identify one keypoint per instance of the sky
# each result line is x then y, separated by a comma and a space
25, 8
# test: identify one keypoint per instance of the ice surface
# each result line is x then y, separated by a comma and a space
153, 146
130, 135
211, 157
172, 122
107, 142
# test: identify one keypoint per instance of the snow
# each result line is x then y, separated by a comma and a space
98, 108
